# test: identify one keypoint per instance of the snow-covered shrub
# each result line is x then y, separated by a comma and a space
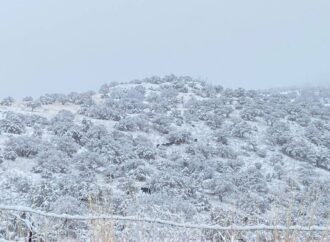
8, 101
12, 123
126, 101
252, 204
180, 86
162, 123
137, 92
261, 153
53, 161
206, 151
297, 149
27, 99
37, 132
145, 152
10, 155
208, 91
156, 79
189, 164
241, 129
68, 205
179, 137
168, 184
63, 99
220, 185
252, 179
105, 111
214, 121
250, 146
224, 110
279, 133
63, 116
239, 92
318, 134
35, 120
46, 191
88, 161
301, 150
119, 103
24, 146
169, 93
115, 150
158, 104
21, 183
117, 93
303, 120
136, 169
34, 104
77, 134
65, 144
234, 164
104, 90
84, 99
47, 99
176, 117
131, 106
72, 96
250, 113
320, 158
225, 152
314, 134
133, 123
95, 132
222, 137
276, 159
118, 202
62, 122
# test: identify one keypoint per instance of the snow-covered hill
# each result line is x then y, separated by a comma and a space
171, 148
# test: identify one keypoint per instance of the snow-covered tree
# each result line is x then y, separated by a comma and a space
28, 99
34, 104
104, 90
8, 101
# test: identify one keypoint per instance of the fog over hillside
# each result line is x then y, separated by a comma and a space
170, 148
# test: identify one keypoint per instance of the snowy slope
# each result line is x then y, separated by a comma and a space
171, 148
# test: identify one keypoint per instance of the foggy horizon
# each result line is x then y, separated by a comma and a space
99, 84
60, 47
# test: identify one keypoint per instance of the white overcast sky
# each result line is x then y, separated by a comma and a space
76, 45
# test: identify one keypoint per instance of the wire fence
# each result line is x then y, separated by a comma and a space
36, 225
